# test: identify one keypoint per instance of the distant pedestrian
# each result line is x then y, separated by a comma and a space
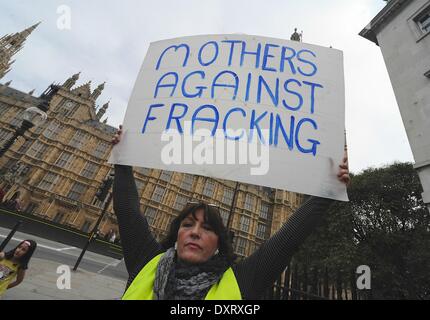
112, 237
14, 202
14, 263
18, 206
2, 193
108, 235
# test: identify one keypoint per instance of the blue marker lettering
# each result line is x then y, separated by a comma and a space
268, 55
252, 53
177, 117
224, 125
300, 58
271, 129
182, 45
298, 95
314, 143
225, 85
313, 86
289, 140
273, 96
148, 116
254, 124
214, 120
199, 88
248, 86
215, 45
167, 85
287, 57
232, 45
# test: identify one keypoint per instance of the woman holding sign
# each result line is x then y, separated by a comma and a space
195, 260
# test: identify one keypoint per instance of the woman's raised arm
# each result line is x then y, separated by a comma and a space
138, 244
258, 272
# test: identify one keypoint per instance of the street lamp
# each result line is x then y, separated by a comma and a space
101, 195
33, 116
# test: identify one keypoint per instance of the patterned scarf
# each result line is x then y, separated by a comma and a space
175, 280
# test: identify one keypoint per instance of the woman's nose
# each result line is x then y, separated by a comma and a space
195, 231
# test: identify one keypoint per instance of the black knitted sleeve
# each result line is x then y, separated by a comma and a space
138, 244
257, 273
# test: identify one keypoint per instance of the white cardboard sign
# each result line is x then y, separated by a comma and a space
252, 109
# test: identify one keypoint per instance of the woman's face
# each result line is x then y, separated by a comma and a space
197, 242
21, 250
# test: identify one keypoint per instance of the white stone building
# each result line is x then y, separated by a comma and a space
402, 31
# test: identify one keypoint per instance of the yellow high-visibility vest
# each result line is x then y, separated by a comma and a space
142, 286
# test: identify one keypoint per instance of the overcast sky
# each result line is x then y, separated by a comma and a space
108, 40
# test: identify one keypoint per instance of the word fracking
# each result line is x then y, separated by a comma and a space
280, 131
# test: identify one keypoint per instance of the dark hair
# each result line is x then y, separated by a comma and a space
213, 218
25, 259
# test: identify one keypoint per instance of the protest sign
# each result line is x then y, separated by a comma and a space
252, 109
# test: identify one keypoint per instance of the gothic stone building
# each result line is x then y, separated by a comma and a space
58, 167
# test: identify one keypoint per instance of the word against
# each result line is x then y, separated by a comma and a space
181, 149
64, 280
64, 21
217, 309
363, 281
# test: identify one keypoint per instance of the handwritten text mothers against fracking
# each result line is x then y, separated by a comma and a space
268, 78
286, 96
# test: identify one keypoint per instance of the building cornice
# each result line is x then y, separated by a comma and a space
391, 8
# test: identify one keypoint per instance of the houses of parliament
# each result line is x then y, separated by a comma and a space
56, 168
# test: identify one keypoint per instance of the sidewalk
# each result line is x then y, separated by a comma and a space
40, 283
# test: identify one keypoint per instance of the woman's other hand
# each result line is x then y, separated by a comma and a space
343, 174
117, 137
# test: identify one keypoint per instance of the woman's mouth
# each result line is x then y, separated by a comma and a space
193, 246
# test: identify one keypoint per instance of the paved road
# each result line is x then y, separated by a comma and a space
60, 253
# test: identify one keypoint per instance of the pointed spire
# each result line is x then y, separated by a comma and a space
7, 84
69, 83
10, 45
29, 30
102, 111
18, 39
106, 120
98, 91
31, 92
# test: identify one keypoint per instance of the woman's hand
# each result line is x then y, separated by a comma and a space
117, 137
343, 174
2, 255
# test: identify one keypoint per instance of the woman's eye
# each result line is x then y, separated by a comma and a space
207, 227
